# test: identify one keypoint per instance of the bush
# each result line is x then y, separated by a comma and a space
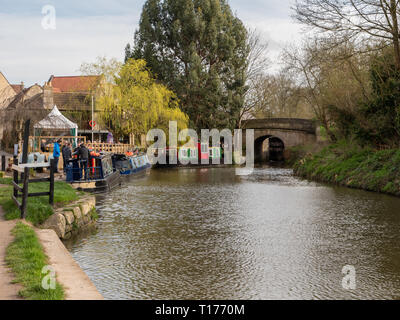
348, 165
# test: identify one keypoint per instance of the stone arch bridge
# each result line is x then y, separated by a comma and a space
273, 136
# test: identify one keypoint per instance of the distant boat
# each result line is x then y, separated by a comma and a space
202, 153
131, 165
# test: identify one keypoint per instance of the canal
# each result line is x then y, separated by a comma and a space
208, 234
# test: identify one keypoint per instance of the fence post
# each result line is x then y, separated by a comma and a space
3, 163
25, 193
51, 193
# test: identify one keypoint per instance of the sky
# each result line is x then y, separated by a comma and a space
32, 47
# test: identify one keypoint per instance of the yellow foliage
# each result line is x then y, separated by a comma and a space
137, 103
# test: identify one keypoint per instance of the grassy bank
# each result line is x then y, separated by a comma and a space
38, 208
26, 258
348, 165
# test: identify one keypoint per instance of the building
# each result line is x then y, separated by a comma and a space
7, 91
73, 96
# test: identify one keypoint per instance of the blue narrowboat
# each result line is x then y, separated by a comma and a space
99, 176
131, 166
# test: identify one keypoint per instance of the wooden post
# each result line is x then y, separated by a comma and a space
15, 177
25, 193
26, 141
52, 169
3, 163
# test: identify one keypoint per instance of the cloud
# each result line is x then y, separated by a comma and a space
32, 54
87, 29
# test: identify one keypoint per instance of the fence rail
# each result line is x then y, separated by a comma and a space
111, 148
23, 192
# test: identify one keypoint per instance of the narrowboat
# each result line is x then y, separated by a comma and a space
100, 175
190, 155
131, 166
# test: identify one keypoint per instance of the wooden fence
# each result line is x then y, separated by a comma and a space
23, 192
111, 148
35, 146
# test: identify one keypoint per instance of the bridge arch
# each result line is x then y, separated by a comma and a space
269, 148
281, 134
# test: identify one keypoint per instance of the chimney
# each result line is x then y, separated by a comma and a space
22, 85
48, 98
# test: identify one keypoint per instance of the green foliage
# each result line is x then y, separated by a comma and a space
137, 103
93, 214
26, 258
376, 120
348, 165
38, 208
198, 49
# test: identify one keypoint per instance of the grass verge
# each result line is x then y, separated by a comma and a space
348, 165
26, 258
38, 208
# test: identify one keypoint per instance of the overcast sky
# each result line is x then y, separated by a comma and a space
91, 28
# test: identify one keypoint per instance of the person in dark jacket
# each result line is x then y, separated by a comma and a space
43, 147
67, 154
83, 156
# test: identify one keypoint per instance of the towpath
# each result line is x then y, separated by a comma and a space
8, 290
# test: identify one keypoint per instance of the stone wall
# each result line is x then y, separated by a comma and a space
73, 218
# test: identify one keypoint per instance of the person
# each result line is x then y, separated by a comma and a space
43, 145
67, 154
83, 156
56, 154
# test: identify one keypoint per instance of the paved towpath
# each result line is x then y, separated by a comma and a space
76, 283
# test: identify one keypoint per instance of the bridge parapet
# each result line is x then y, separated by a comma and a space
304, 125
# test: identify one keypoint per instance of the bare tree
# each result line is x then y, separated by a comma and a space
276, 96
257, 65
336, 78
355, 20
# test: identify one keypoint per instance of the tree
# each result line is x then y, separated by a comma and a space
278, 96
108, 68
198, 49
137, 103
332, 79
345, 20
257, 65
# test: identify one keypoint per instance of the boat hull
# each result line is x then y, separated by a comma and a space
99, 186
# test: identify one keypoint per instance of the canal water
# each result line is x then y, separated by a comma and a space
209, 234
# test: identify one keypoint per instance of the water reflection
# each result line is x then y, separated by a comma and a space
208, 234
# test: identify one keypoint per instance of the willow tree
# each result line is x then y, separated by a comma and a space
137, 103
197, 48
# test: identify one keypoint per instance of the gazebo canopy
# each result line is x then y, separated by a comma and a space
56, 121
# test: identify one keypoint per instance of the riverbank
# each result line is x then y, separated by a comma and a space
34, 243
348, 165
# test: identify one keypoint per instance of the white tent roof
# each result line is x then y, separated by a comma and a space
56, 121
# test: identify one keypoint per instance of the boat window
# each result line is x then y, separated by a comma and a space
107, 166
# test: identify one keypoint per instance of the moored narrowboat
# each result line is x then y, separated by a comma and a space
203, 155
131, 165
99, 176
